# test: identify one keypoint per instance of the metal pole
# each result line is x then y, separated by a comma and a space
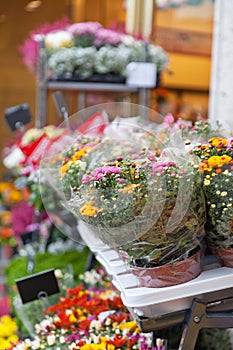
41, 92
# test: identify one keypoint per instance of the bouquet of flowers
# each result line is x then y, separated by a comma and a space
216, 167
65, 162
138, 195
89, 318
150, 209
199, 131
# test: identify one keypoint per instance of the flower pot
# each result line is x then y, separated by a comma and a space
225, 255
94, 78
170, 274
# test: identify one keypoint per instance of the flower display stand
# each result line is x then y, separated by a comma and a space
110, 83
204, 302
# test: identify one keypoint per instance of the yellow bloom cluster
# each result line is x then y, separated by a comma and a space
218, 161
88, 209
8, 332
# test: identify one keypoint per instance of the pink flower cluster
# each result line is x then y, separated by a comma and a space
161, 167
84, 28
30, 48
229, 143
107, 37
99, 173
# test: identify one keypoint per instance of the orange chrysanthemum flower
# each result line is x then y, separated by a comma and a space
218, 161
218, 141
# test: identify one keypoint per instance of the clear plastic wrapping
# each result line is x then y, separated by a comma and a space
140, 196
216, 165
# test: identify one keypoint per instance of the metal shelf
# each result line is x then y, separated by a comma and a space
87, 86
44, 85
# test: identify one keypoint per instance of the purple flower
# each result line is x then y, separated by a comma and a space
99, 173
107, 37
26, 171
83, 28
169, 119
229, 143
73, 337
120, 180
32, 227
160, 167
181, 172
23, 215
87, 178
108, 169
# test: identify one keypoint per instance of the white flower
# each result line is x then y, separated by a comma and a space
44, 324
73, 61
19, 347
127, 39
58, 273
14, 158
58, 39
35, 344
51, 339
95, 338
95, 324
62, 339
83, 165
31, 135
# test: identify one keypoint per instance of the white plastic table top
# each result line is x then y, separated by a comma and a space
151, 302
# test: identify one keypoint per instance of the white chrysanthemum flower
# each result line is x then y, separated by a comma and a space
51, 339
127, 39
58, 39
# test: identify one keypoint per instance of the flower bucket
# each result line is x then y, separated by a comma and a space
225, 255
171, 274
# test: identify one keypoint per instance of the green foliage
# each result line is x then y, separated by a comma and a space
213, 339
208, 339
17, 268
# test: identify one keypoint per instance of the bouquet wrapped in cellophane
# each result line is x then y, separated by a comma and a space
217, 170
70, 157
140, 197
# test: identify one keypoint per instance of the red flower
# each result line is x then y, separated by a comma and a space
118, 341
84, 325
119, 318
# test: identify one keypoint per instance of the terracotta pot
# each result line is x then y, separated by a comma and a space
170, 274
225, 255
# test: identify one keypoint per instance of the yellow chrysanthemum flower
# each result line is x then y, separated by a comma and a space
79, 154
218, 161
218, 141
64, 169
131, 326
89, 210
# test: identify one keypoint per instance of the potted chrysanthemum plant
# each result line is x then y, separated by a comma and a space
150, 210
216, 168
